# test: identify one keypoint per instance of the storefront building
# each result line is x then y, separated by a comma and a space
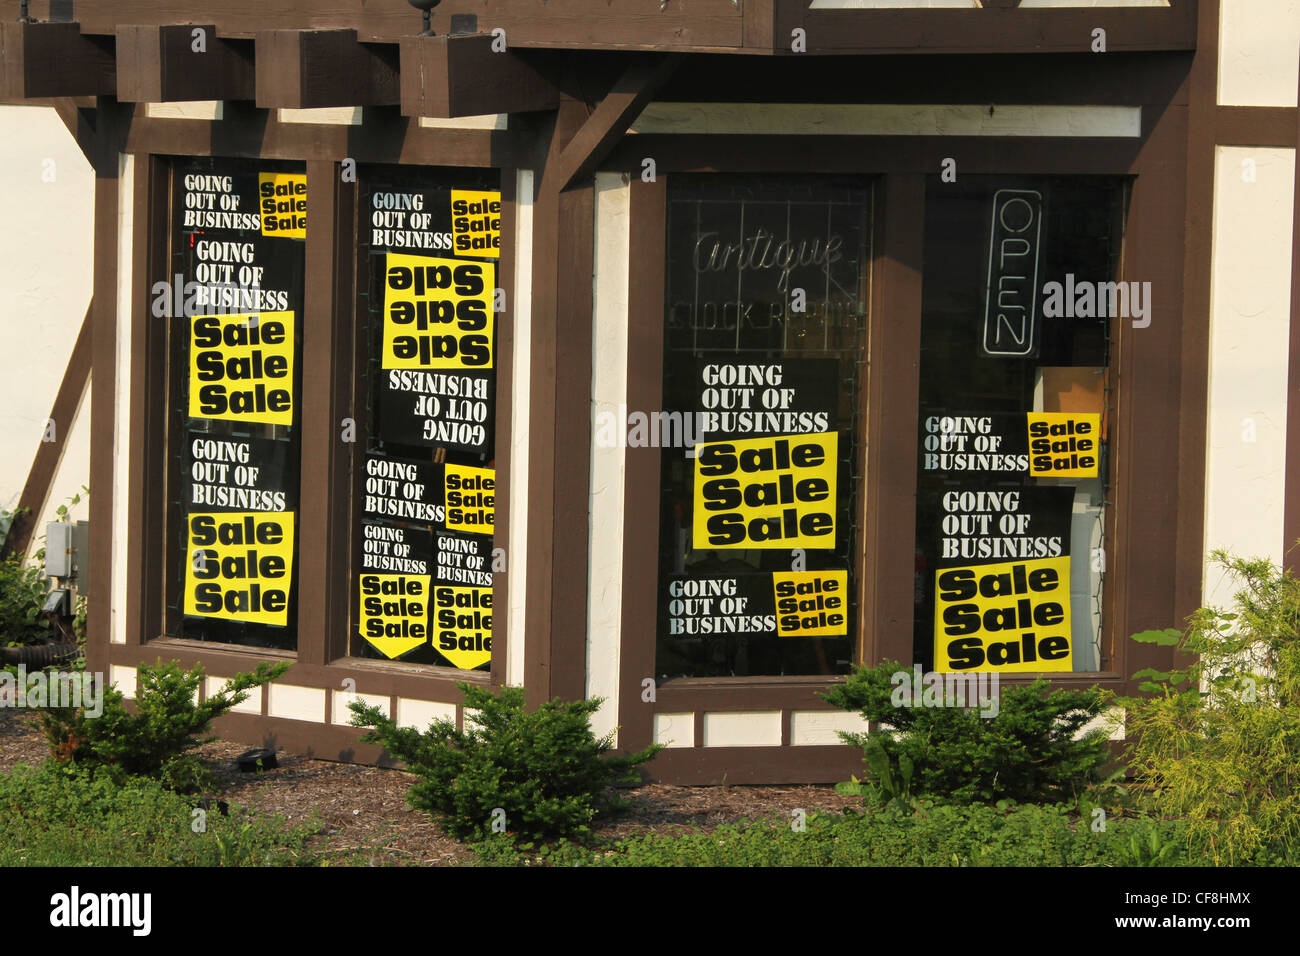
684, 355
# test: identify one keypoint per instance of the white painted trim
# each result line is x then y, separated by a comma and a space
421, 713
252, 705
608, 465
124, 678
190, 110
469, 721
484, 121
852, 119
520, 382
340, 700
743, 729
675, 730
121, 482
1075, 4
893, 4
819, 728
293, 702
326, 116
1112, 720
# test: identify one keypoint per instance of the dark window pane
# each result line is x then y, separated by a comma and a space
1014, 342
763, 348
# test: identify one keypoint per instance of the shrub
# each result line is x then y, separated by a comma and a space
62, 815
155, 740
926, 835
1218, 743
1026, 753
545, 770
22, 595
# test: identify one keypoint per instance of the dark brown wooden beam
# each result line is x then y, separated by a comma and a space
990, 28
309, 69
158, 64
48, 453
611, 119
54, 59
648, 213
450, 76
112, 122
1268, 126
327, 324
1291, 492
559, 427
578, 24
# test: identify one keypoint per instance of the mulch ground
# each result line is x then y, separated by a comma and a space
367, 821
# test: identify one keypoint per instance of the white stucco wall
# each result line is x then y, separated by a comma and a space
521, 381
46, 247
608, 464
1258, 40
1250, 307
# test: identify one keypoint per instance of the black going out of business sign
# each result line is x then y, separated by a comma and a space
225, 473
756, 399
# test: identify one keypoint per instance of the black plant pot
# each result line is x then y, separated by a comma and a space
251, 761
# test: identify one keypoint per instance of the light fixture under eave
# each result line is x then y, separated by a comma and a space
426, 7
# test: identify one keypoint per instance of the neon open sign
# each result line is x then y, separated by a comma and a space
1011, 298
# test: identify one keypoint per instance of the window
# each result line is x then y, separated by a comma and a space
233, 307
764, 341
425, 483
1018, 301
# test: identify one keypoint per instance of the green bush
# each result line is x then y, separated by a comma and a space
925, 835
1218, 743
59, 815
1026, 753
22, 595
155, 740
545, 771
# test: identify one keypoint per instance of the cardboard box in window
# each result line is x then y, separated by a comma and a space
1074, 388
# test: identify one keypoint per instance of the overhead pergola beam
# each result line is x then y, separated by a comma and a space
612, 118
176, 62
54, 59
448, 76
312, 69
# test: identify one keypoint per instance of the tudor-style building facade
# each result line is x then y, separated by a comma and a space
823, 233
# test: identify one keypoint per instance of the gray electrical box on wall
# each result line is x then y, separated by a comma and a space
81, 556
58, 549
67, 546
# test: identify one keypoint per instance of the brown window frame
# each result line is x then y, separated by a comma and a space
328, 360
1137, 539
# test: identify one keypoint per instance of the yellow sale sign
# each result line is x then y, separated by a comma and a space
437, 312
241, 367
776, 492
240, 566
282, 203
811, 603
1064, 444
395, 612
476, 223
470, 499
1010, 617
462, 625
